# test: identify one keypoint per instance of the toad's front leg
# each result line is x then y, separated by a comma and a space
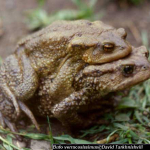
69, 110
18, 82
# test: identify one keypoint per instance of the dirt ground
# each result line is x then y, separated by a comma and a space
12, 12
134, 19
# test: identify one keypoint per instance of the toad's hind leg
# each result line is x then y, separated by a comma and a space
18, 83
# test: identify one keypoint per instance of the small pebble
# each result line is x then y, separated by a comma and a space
19, 144
40, 145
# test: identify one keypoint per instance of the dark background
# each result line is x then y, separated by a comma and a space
134, 18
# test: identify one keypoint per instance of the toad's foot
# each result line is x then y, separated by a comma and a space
28, 112
5, 121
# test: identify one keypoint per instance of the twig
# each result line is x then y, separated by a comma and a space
112, 138
1, 28
135, 32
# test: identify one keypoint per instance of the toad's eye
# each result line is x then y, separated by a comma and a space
128, 70
108, 47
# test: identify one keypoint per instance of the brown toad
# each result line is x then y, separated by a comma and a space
65, 70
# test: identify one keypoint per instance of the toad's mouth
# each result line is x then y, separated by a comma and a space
131, 81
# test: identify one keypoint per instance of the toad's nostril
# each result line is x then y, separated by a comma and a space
144, 68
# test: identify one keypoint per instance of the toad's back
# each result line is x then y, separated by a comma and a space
47, 48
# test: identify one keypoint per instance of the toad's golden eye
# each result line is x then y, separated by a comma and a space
108, 47
128, 70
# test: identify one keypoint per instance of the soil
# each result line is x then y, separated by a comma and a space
134, 19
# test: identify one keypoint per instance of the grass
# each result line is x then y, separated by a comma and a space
133, 2
130, 121
39, 18
136, 2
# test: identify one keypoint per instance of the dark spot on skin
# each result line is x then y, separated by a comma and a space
86, 65
79, 34
89, 23
97, 71
98, 45
76, 45
122, 47
51, 80
86, 47
55, 29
